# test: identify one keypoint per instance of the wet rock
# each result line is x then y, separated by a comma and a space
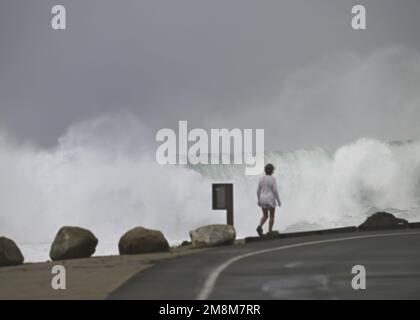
10, 254
383, 220
141, 240
73, 243
213, 235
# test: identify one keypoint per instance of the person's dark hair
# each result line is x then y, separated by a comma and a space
269, 169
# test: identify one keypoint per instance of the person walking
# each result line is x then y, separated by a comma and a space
268, 198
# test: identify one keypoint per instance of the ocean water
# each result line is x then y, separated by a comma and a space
107, 180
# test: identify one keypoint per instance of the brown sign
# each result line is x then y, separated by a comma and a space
222, 196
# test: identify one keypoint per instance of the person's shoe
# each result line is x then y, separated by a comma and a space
260, 231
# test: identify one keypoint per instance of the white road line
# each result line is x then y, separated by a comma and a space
214, 275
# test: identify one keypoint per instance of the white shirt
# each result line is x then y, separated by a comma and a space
267, 192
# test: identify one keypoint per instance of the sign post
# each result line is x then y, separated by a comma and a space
222, 199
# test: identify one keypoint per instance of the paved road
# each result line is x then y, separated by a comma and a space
315, 267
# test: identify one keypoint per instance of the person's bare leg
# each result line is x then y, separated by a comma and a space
263, 220
264, 217
271, 221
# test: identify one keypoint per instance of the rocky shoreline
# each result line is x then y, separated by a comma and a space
140, 248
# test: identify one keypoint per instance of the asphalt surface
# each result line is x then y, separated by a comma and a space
311, 267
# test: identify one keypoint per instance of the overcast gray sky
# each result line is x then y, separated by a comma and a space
295, 68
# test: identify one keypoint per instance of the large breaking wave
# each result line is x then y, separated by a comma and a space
106, 179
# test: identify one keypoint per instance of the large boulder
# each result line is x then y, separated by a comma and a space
141, 240
73, 243
10, 254
382, 220
213, 235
